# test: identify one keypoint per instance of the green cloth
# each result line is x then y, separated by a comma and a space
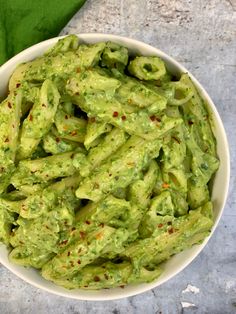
27, 22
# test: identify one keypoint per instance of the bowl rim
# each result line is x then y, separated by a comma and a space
92, 37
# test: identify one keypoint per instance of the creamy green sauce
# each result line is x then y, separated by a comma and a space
104, 166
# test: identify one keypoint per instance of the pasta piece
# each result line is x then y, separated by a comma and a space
174, 149
67, 43
203, 165
94, 130
110, 110
10, 113
45, 169
147, 68
103, 150
7, 221
198, 119
140, 191
89, 55
177, 93
107, 275
59, 65
123, 170
81, 253
24, 256
28, 189
137, 94
115, 56
54, 144
39, 120
113, 212
169, 237
198, 193
107, 211
70, 127
45, 231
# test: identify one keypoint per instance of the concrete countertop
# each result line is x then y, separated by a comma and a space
202, 36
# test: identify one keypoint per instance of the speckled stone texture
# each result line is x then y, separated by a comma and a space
201, 34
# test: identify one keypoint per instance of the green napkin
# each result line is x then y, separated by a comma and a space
27, 22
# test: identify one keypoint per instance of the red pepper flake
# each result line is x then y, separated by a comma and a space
43, 105
115, 114
73, 133
122, 286
96, 185
106, 276
99, 235
165, 185
92, 119
46, 227
9, 105
30, 117
155, 118
96, 278
6, 140
73, 229
176, 139
123, 118
152, 118
88, 222
82, 234
57, 139
79, 262
101, 225
77, 93
86, 286
13, 126
68, 254
64, 242
66, 117
18, 85
190, 122
171, 230
160, 225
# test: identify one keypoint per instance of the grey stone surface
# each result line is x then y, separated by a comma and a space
201, 34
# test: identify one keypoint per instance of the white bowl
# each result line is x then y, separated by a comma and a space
219, 189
